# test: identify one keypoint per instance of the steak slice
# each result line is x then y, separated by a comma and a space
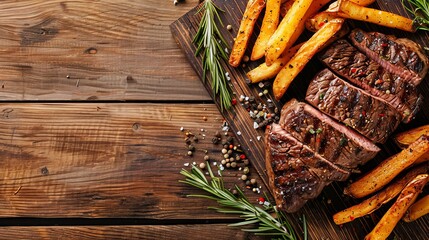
332, 140
346, 61
368, 115
400, 56
296, 174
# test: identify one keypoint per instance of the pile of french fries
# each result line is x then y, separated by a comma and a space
276, 40
384, 183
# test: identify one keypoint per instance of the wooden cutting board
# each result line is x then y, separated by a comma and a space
318, 212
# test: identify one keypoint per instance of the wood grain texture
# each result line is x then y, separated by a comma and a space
96, 50
318, 211
208, 231
104, 160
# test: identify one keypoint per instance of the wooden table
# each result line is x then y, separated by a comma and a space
93, 96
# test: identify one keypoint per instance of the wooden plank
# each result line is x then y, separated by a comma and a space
98, 50
207, 231
185, 27
104, 160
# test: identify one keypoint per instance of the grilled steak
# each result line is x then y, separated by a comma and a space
332, 140
399, 56
295, 172
368, 115
346, 61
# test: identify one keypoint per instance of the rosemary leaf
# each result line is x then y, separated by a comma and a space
256, 219
420, 9
211, 46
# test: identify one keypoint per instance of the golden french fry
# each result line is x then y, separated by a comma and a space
250, 16
388, 169
407, 197
317, 21
373, 203
418, 209
264, 72
404, 139
269, 26
302, 57
282, 36
349, 9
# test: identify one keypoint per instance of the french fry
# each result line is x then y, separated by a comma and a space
250, 16
282, 36
388, 169
351, 10
417, 210
317, 21
373, 203
302, 57
407, 197
404, 139
264, 72
269, 26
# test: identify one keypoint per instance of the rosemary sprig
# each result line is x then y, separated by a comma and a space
420, 9
278, 226
212, 45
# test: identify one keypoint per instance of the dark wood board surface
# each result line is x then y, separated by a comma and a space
320, 210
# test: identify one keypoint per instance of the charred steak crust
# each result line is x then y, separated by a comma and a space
332, 140
400, 56
296, 173
349, 63
366, 114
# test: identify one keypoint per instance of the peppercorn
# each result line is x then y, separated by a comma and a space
226, 156
228, 165
206, 158
223, 162
215, 140
202, 165
247, 183
244, 177
229, 27
253, 181
191, 147
246, 162
190, 153
224, 151
233, 164
229, 152
234, 191
246, 170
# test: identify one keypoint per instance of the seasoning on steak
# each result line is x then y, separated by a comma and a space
400, 56
367, 114
332, 140
346, 61
296, 173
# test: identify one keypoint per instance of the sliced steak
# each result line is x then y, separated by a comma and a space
400, 56
332, 140
296, 173
368, 115
349, 63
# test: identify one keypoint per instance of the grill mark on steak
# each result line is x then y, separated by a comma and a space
296, 173
345, 60
366, 114
399, 56
333, 141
